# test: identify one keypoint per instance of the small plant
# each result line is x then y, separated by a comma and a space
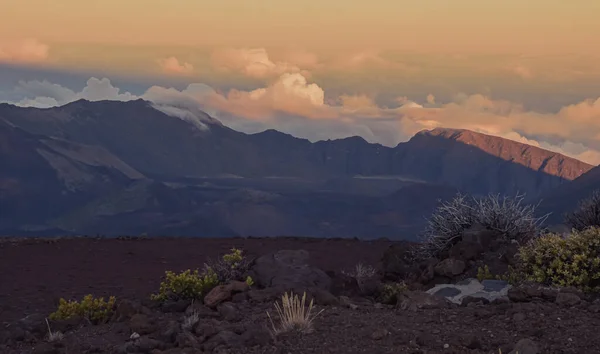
190, 320
587, 213
231, 266
293, 314
564, 261
94, 310
389, 292
484, 273
361, 273
54, 336
186, 285
249, 281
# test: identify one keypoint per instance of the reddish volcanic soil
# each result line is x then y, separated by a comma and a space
36, 273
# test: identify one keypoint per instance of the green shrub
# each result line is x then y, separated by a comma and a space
564, 261
390, 291
186, 285
95, 310
231, 266
484, 273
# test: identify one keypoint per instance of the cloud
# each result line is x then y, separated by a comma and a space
44, 94
171, 65
24, 51
254, 62
293, 104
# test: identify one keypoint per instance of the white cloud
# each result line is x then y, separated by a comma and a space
24, 51
172, 65
294, 105
253, 62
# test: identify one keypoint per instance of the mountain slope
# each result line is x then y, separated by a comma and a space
41, 177
161, 146
567, 197
483, 164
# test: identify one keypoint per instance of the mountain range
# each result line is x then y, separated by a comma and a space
113, 168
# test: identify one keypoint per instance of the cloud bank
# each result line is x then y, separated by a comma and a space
171, 65
293, 104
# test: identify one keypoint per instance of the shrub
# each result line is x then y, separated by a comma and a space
361, 273
186, 285
587, 213
564, 261
94, 310
389, 292
509, 216
232, 266
54, 336
484, 273
293, 314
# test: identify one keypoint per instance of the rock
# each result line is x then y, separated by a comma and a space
379, 334
526, 346
229, 312
187, 340
239, 298
125, 309
142, 324
369, 286
466, 251
175, 306
518, 295
417, 300
567, 299
265, 295
450, 267
222, 293
343, 285
34, 323
146, 344
46, 348
289, 269
201, 310
519, 317
67, 325
470, 341
322, 297
169, 333
471, 290
396, 262
228, 339
258, 335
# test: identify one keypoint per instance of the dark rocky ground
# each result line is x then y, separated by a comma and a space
35, 273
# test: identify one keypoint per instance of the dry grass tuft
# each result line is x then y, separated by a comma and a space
294, 315
54, 336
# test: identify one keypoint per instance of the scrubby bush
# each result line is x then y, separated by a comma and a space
186, 285
506, 215
361, 273
484, 273
294, 315
94, 310
564, 261
587, 213
231, 266
390, 291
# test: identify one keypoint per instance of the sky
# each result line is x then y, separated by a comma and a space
524, 70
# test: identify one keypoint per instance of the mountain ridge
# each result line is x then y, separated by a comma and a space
321, 186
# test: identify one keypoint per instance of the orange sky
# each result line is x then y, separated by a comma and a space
381, 69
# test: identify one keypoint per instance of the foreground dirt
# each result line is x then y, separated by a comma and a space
35, 273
